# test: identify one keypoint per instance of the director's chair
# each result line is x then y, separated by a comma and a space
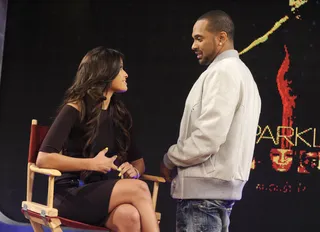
45, 215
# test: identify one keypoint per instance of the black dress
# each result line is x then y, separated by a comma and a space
85, 202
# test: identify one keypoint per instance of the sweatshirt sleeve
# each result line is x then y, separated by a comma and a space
220, 98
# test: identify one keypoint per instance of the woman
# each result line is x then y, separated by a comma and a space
91, 121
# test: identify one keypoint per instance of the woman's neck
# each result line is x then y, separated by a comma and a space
105, 103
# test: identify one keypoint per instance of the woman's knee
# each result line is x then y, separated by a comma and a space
142, 188
127, 216
134, 188
129, 191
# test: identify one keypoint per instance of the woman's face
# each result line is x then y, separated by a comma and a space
281, 159
119, 83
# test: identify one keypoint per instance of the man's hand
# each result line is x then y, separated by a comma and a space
165, 172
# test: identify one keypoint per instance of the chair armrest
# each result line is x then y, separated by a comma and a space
153, 178
46, 171
39, 208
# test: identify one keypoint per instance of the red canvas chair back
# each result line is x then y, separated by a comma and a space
37, 134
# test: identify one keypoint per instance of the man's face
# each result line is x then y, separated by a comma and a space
205, 43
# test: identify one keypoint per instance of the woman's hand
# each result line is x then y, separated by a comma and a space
129, 171
101, 163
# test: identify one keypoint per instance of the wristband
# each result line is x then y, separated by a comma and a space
138, 173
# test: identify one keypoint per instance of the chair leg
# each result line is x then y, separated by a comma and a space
36, 226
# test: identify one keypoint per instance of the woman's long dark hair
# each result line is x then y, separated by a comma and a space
95, 73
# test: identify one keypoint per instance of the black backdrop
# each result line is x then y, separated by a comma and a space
45, 41
3, 16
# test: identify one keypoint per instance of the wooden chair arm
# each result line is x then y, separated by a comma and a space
52, 173
46, 171
153, 178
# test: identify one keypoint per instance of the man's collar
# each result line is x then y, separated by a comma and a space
225, 54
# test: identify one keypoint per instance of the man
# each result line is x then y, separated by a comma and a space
214, 151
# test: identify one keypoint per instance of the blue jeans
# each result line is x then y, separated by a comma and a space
203, 215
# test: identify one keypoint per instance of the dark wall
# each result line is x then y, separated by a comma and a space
3, 16
45, 41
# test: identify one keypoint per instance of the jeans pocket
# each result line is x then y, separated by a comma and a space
207, 217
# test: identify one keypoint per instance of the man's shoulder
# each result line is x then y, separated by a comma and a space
229, 66
226, 66
227, 62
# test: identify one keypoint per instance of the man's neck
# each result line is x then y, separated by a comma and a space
226, 47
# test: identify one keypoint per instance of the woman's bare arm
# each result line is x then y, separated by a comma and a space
99, 163
62, 162
139, 165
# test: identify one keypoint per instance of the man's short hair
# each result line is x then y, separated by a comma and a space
219, 21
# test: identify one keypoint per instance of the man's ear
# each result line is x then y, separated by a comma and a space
223, 37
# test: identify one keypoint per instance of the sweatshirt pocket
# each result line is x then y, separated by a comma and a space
209, 165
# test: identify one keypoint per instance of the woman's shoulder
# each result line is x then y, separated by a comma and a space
74, 105
69, 111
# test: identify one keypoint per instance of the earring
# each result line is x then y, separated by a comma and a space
220, 43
